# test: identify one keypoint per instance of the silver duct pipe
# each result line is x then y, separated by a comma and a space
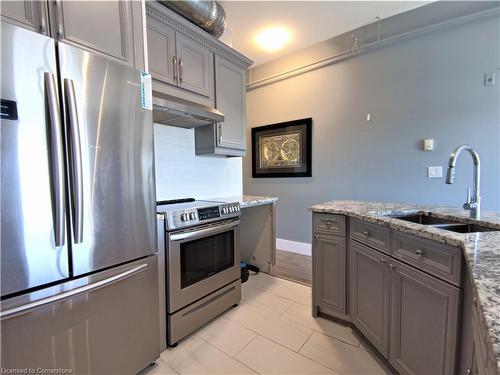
209, 15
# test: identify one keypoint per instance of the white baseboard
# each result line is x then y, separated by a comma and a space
293, 246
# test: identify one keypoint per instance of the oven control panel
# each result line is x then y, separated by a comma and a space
195, 216
208, 213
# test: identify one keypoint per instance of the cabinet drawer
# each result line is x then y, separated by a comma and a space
370, 234
440, 260
329, 223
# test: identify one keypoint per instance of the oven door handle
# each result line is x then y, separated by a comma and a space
203, 232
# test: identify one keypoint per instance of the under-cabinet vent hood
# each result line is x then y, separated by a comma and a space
169, 110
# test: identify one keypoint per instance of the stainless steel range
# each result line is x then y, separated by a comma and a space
199, 243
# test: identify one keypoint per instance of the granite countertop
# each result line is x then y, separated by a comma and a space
248, 200
482, 250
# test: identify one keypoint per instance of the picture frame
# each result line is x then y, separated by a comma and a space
283, 149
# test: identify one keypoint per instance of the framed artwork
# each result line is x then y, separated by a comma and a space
282, 150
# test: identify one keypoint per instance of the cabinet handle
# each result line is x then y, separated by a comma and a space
381, 260
174, 59
419, 252
468, 371
328, 223
366, 234
316, 236
391, 266
180, 69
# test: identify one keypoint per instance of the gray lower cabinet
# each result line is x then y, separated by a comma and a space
30, 14
424, 319
405, 296
370, 294
329, 263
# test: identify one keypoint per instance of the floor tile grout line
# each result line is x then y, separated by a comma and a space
296, 352
312, 333
317, 330
278, 295
288, 308
248, 343
223, 352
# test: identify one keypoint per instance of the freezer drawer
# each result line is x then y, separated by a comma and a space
110, 326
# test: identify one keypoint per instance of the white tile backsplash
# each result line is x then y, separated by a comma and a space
180, 173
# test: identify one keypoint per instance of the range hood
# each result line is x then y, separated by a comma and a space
169, 110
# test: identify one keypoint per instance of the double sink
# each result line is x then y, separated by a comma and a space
436, 222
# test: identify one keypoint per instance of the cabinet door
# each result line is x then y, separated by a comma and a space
329, 262
161, 52
29, 14
423, 327
195, 64
230, 97
369, 294
99, 26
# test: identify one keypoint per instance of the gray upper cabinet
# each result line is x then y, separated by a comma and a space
161, 50
195, 66
329, 262
177, 60
110, 28
370, 294
104, 27
230, 96
188, 63
424, 319
29, 14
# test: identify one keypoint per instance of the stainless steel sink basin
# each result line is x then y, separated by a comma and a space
453, 226
467, 228
424, 219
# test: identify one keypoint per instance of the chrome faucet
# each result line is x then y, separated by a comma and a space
473, 203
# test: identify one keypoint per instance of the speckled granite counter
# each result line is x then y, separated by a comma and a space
248, 200
482, 250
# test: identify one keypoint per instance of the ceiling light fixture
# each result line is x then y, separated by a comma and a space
273, 38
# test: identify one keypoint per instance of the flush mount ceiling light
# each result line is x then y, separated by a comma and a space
273, 38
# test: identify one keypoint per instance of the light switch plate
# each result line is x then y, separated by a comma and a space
435, 172
429, 144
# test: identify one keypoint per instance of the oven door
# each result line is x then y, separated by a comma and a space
200, 261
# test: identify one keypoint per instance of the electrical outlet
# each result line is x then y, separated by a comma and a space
435, 172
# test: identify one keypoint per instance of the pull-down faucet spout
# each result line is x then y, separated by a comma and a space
473, 203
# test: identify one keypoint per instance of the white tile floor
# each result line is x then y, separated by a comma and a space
271, 332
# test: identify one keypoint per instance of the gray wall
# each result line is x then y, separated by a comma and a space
430, 86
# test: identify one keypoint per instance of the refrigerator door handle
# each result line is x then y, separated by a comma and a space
56, 148
75, 160
23, 309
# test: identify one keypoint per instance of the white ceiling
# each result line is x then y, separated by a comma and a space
309, 21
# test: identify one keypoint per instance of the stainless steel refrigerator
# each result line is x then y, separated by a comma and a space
79, 278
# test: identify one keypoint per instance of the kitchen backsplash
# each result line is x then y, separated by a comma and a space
180, 173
